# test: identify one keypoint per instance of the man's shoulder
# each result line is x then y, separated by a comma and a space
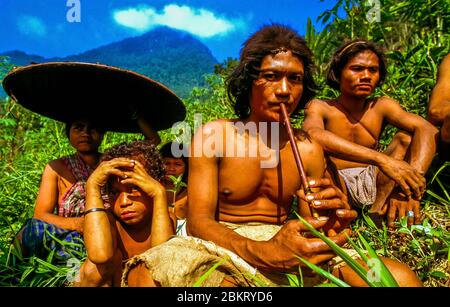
445, 64
307, 145
383, 101
304, 138
320, 103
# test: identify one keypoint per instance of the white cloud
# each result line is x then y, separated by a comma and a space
31, 25
199, 22
138, 19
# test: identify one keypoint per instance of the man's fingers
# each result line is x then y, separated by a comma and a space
327, 204
415, 187
319, 183
405, 187
316, 223
319, 246
316, 259
392, 213
417, 215
331, 233
345, 214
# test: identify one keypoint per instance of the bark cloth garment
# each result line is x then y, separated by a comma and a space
181, 261
361, 184
39, 238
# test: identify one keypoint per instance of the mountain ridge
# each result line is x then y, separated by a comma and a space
171, 57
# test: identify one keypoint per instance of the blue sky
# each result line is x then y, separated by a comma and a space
44, 27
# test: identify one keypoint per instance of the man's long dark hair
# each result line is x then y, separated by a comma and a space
269, 39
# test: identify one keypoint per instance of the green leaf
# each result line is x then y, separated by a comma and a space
324, 273
386, 276
293, 280
439, 274
202, 278
357, 267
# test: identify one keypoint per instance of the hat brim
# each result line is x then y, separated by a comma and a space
110, 96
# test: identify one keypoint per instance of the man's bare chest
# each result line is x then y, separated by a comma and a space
361, 129
239, 180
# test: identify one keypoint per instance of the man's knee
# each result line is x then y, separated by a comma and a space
404, 276
445, 130
403, 138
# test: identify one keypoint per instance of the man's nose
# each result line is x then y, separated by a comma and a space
283, 87
366, 74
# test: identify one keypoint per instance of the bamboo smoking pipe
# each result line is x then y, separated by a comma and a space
297, 157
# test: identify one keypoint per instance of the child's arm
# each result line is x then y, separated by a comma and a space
98, 233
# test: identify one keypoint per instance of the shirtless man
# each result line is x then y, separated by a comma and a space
242, 203
349, 128
439, 107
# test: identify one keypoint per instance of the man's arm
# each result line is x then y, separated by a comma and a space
439, 106
399, 171
424, 134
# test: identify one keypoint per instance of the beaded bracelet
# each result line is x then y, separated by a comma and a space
93, 210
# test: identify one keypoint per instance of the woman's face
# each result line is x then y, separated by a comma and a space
84, 137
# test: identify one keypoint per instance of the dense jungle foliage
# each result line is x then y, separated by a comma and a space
416, 36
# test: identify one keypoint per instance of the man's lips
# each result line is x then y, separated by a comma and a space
277, 105
364, 85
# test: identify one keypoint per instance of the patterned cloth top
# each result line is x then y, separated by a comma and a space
73, 201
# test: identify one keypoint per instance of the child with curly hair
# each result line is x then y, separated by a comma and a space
138, 218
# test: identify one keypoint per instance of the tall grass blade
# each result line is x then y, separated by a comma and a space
202, 278
386, 277
324, 273
357, 267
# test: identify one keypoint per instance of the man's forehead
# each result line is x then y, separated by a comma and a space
364, 57
281, 60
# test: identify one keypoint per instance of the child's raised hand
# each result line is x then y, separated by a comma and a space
138, 176
115, 167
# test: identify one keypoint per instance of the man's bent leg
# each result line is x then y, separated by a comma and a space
444, 148
397, 149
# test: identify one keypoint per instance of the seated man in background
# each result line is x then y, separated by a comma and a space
439, 107
349, 128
